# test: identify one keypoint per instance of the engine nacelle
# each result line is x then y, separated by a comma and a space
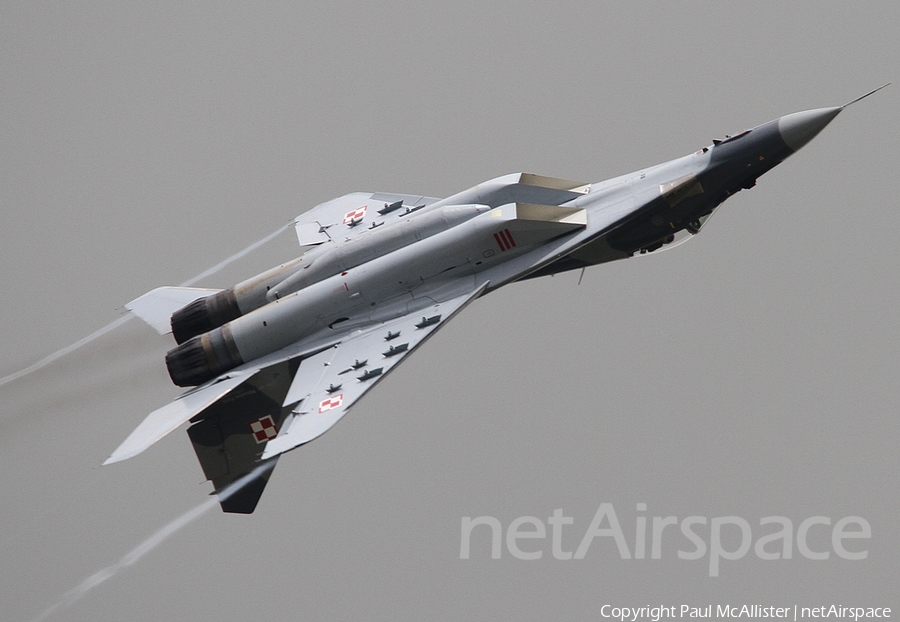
357, 294
259, 332
330, 259
203, 357
205, 314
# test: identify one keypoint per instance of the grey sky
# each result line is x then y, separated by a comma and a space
751, 372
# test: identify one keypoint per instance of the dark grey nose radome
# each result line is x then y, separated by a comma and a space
801, 127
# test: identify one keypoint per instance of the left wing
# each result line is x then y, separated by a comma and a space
327, 384
353, 213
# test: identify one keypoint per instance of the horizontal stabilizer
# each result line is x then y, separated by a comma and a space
157, 306
166, 419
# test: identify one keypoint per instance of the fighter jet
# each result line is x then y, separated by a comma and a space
275, 361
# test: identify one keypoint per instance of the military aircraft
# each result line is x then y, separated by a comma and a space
278, 359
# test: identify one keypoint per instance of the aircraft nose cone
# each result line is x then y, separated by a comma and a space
801, 127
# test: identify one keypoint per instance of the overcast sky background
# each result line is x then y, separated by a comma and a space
752, 372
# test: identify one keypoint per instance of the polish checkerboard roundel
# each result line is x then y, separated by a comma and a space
356, 214
330, 402
264, 429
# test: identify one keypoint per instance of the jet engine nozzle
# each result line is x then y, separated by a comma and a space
204, 314
203, 357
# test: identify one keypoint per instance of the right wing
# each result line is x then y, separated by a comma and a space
246, 418
327, 384
353, 213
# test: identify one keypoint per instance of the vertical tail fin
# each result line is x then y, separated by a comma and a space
157, 306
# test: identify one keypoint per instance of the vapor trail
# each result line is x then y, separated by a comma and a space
115, 324
61, 353
236, 256
163, 534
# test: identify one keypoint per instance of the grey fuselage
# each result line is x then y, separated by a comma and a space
498, 232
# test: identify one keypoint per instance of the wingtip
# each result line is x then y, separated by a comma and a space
130, 447
118, 457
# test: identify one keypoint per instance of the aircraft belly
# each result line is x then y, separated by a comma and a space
278, 359
507, 242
